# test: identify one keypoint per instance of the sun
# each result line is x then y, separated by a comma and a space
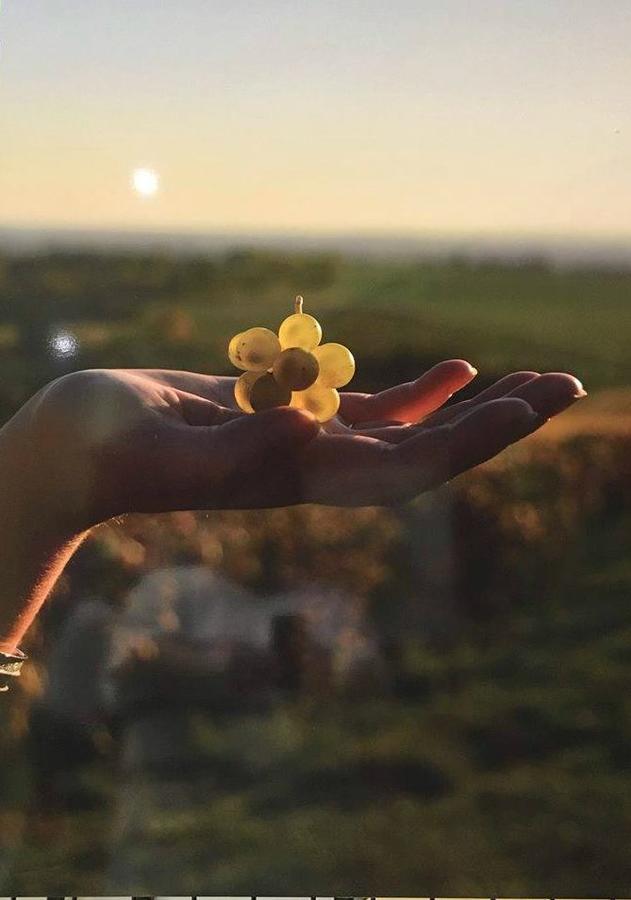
145, 182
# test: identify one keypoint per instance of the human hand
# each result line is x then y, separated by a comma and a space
388, 447
106, 442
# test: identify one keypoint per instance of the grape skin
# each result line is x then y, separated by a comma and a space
296, 369
300, 330
267, 393
233, 346
254, 349
337, 365
243, 388
322, 402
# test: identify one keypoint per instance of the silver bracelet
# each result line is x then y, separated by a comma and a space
10, 667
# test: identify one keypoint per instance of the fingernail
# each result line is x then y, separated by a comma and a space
472, 370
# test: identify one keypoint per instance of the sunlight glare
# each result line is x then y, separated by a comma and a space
145, 182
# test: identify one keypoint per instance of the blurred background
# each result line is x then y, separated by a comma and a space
433, 696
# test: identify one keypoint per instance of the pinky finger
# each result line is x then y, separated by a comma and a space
474, 439
488, 430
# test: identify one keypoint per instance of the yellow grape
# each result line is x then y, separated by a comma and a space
232, 351
300, 330
337, 365
242, 389
322, 402
296, 369
267, 393
254, 349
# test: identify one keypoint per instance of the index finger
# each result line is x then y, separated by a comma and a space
411, 401
219, 388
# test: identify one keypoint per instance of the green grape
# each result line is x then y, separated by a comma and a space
243, 388
337, 365
267, 393
296, 369
254, 349
300, 330
322, 402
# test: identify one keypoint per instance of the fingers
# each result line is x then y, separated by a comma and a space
547, 394
395, 434
474, 439
488, 430
361, 471
550, 394
199, 411
247, 462
500, 389
391, 434
409, 402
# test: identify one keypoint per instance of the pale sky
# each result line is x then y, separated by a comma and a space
432, 115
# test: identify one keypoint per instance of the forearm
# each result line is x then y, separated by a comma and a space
30, 564
34, 544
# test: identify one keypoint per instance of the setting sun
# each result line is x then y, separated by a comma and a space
145, 182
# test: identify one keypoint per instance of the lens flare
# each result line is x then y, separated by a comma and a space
63, 344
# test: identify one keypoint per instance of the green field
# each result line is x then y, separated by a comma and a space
397, 317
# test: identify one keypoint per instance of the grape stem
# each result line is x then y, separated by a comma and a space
298, 305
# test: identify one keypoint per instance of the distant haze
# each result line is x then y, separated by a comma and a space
560, 250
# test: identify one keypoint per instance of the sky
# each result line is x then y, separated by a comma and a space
440, 116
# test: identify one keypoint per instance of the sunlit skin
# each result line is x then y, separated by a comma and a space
102, 443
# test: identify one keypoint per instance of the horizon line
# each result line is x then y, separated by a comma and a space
364, 232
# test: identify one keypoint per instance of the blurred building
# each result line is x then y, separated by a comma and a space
189, 635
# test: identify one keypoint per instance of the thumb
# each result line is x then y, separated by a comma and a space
252, 438
246, 463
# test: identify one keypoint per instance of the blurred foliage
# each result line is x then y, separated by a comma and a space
127, 309
492, 755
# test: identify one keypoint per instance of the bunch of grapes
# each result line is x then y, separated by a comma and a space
293, 369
